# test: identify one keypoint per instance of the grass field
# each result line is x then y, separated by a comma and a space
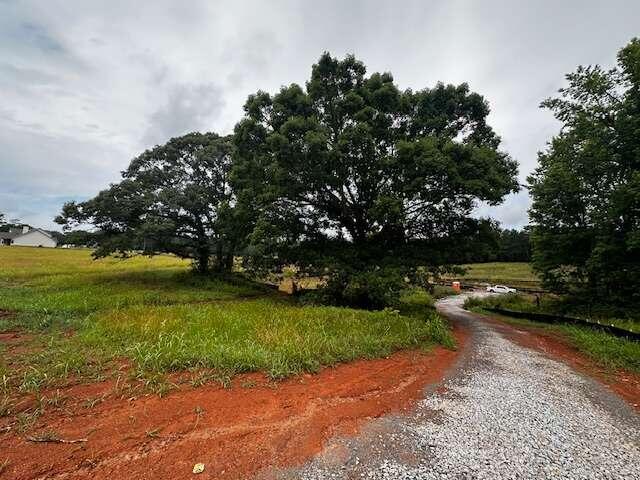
607, 350
514, 274
82, 318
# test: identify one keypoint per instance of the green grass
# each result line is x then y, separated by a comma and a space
514, 274
57, 287
606, 350
84, 317
263, 334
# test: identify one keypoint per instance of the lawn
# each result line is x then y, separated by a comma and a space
607, 350
82, 318
514, 274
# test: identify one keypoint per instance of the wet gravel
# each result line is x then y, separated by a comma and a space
507, 412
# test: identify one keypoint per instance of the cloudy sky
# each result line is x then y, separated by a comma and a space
87, 85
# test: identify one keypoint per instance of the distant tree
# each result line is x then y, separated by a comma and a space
482, 245
59, 237
80, 238
514, 246
491, 243
174, 198
586, 191
7, 224
352, 173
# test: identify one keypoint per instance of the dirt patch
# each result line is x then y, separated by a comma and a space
15, 343
235, 432
10, 337
626, 384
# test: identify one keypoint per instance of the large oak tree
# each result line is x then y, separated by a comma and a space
350, 170
174, 198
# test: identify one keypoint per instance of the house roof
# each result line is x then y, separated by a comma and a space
41, 231
12, 235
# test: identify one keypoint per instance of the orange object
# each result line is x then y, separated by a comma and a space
455, 286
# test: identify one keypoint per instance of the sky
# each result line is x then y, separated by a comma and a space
86, 85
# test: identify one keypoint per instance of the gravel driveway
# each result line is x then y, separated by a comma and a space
506, 412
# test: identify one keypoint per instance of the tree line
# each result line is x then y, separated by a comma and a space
369, 186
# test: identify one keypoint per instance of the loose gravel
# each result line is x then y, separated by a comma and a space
506, 413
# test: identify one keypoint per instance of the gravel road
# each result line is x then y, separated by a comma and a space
506, 412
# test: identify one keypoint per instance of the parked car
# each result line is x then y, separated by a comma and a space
500, 289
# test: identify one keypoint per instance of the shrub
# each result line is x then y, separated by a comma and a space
370, 289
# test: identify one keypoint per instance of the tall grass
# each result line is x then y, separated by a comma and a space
84, 314
264, 334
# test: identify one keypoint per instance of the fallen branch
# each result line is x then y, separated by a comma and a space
49, 439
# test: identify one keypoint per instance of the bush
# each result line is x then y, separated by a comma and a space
370, 289
510, 301
473, 302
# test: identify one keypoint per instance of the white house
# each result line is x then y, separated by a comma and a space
27, 237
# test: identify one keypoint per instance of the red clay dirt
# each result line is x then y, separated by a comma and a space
238, 431
626, 384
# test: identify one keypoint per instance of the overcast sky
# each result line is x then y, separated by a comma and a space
87, 85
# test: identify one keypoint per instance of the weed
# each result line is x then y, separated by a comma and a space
223, 378
154, 433
6, 406
56, 400
26, 420
199, 411
93, 401
155, 383
33, 379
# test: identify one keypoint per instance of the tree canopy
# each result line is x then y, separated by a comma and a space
353, 171
174, 198
586, 190
347, 176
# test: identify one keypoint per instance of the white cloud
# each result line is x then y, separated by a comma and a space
87, 85
188, 108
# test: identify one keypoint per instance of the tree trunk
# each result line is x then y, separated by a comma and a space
203, 249
202, 262
228, 262
219, 266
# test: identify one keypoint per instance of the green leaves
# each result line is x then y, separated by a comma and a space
347, 171
586, 202
354, 160
175, 198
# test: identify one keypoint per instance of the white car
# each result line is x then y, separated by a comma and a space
500, 289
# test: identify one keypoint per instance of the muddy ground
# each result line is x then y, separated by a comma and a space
236, 431
254, 426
